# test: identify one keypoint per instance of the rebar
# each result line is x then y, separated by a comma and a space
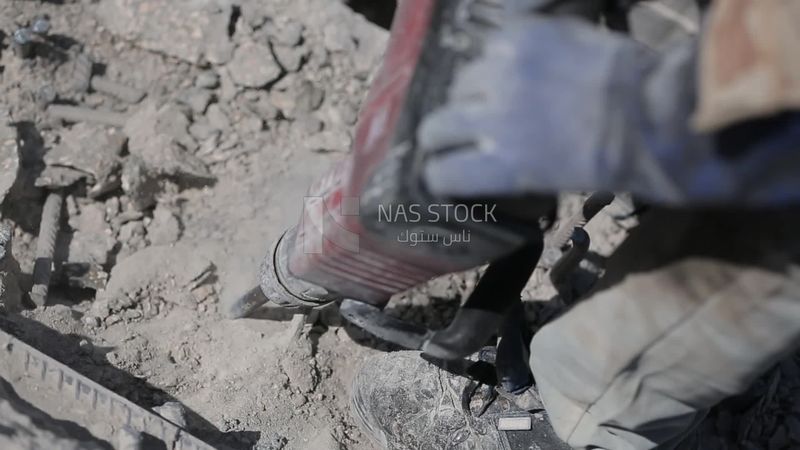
121, 91
46, 247
83, 114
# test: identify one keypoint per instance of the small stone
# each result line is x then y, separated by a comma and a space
196, 99
227, 88
253, 65
329, 141
203, 130
259, 104
165, 228
90, 218
217, 117
250, 125
90, 247
131, 314
112, 207
309, 97
131, 230
299, 400
349, 113
100, 308
84, 151
306, 125
91, 321
207, 80
284, 102
174, 412
113, 319
289, 33
160, 137
290, 58
139, 183
338, 38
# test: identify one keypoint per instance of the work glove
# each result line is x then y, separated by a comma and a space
537, 111
557, 104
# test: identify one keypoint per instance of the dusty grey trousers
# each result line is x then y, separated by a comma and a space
692, 309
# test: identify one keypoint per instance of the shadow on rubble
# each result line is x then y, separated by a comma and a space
379, 12
66, 349
24, 202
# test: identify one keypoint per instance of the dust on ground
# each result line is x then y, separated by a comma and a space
191, 133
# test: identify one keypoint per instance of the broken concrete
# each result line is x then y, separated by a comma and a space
158, 136
193, 30
86, 152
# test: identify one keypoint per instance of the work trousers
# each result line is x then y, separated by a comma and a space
693, 308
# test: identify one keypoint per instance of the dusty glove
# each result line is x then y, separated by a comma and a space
556, 104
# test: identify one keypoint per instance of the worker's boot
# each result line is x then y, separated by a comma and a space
403, 401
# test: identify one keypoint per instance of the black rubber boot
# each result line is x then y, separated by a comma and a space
403, 401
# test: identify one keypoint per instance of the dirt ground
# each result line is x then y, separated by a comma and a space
243, 103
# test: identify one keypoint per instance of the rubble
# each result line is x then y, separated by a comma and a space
86, 152
246, 104
159, 136
164, 143
195, 31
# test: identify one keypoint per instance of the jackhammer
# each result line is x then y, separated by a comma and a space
370, 229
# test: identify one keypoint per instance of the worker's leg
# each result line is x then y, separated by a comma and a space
680, 323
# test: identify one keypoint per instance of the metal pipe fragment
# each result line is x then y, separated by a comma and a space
46, 247
121, 91
22, 42
83, 114
41, 25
